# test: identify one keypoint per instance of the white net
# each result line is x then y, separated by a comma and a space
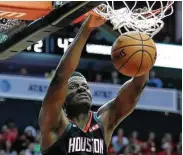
8, 27
146, 19
57, 4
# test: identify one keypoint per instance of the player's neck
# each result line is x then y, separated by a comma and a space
81, 120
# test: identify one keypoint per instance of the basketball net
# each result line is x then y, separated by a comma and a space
147, 19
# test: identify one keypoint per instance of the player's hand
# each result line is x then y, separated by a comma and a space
95, 20
92, 19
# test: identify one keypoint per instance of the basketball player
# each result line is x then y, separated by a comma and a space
77, 130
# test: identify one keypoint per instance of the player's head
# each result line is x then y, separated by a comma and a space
78, 99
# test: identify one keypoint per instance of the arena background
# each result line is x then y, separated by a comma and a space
24, 79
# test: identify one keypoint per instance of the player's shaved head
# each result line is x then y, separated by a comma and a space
76, 76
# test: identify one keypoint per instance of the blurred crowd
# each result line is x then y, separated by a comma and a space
133, 145
99, 77
14, 141
103, 76
112, 78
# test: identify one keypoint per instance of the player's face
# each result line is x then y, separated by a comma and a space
78, 98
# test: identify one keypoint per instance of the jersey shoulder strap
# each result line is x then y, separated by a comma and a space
99, 122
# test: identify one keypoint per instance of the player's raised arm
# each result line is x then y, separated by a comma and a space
113, 112
131, 56
52, 118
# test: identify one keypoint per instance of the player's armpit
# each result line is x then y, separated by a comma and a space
52, 118
50, 134
113, 112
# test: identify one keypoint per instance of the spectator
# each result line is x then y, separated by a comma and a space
30, 129
114, 77
23, 71
167, 145
126, 151
168, 139
167, 149
119, 141
151, 142
2, 143
179, 149
37, 147
22, 152
9, 149
98, 78
111, 151
29, 136
30, 149
13, 131
134, 137
144, 148
154, 81
134, 143
21, 143
49, 75
5, 133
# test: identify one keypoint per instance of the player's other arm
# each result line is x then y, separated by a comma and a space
113, 112
52, 119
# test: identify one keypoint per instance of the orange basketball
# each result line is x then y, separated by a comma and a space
133, 53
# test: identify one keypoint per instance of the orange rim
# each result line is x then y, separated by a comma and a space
81, 18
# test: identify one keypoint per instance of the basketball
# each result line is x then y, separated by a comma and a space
133, 53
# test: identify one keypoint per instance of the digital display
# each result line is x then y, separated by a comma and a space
51, 45
38, 47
